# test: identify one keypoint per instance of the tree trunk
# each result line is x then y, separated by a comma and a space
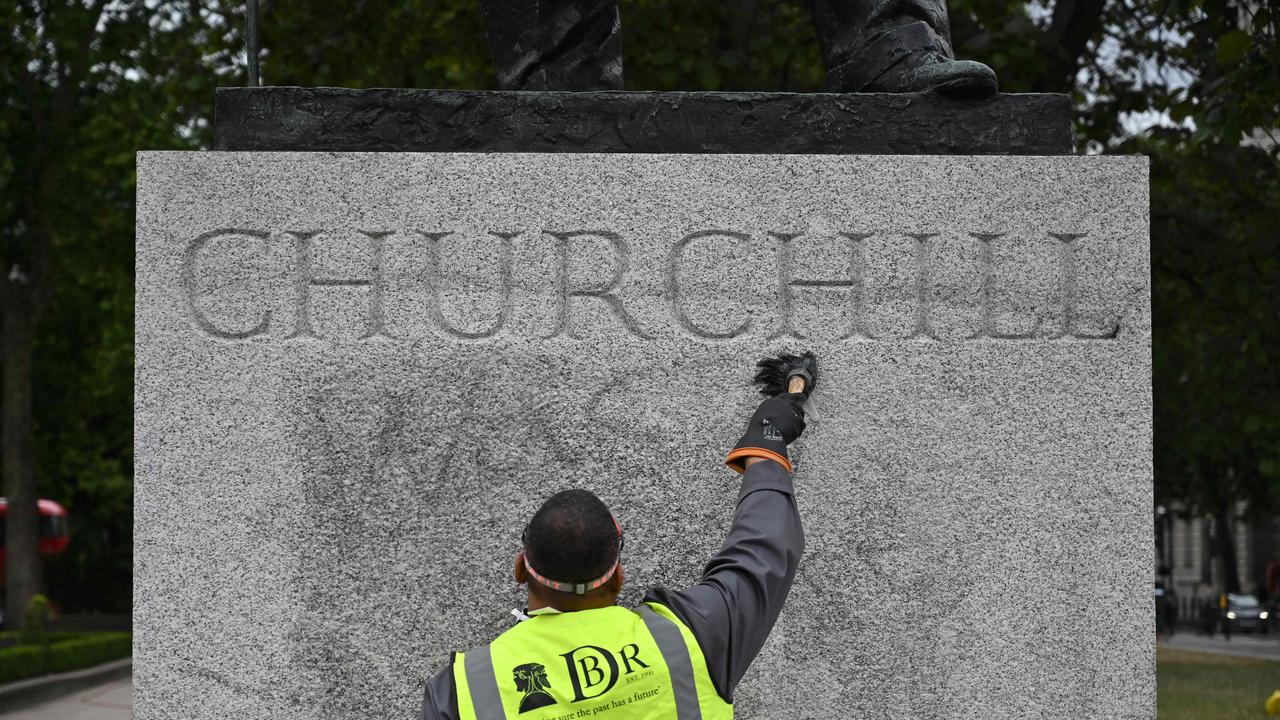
1226, 546
22, 555
1074, 23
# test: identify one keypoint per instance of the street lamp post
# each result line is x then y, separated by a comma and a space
251, 42
1163, 571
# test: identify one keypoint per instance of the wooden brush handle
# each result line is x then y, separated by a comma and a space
795, 384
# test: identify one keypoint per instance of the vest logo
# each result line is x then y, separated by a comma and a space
531, 679
594, 671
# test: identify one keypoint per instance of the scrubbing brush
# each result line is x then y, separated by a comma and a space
787, 373
777, 419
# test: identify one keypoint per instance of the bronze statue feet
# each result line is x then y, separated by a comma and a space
935, 72
911, 58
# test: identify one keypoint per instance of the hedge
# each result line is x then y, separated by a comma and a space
9, 638
81, 651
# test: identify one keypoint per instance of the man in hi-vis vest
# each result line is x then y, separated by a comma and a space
679, 655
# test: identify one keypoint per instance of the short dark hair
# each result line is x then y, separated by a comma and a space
572, 538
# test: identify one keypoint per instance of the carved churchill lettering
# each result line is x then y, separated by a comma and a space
1067, 269
504, 291
855, 284
606, 293
987, 323
674, 286
190, 267
1067, 281
1021, 287
923, 327
305, 278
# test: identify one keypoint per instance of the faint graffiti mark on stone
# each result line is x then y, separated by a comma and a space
855, 284
189, 267
305, 278
673, 284
505, 262
1067, 270
606, 293
924, 328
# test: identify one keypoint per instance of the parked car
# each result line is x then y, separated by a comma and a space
1246, 614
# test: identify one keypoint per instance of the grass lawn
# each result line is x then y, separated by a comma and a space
1203, 686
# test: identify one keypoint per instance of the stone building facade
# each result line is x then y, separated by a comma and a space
1186, 561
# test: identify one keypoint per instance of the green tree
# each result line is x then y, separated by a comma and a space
85, 83
1215, 198
1205, 76
376, 43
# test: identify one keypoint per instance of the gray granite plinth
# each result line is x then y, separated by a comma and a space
359, 374
406, 120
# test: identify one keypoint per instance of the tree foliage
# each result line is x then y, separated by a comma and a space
1205, 77
86, 83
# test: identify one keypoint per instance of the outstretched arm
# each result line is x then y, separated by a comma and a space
732, 609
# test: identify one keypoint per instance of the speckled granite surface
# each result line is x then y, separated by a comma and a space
358, 374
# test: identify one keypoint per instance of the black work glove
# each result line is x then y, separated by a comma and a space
775, 425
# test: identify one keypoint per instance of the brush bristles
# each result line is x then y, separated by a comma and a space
773, 372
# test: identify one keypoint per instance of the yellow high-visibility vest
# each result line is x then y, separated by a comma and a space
613, 663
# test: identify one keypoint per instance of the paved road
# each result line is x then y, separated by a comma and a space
110, 701
1260, 647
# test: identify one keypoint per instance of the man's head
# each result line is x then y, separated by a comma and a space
572, 543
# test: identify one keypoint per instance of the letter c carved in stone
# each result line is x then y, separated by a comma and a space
190, 263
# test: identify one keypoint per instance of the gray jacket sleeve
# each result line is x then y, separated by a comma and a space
734, 606
440, 699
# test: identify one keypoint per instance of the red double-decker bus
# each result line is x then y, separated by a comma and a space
54, 536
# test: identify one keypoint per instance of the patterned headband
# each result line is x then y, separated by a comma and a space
577, 588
